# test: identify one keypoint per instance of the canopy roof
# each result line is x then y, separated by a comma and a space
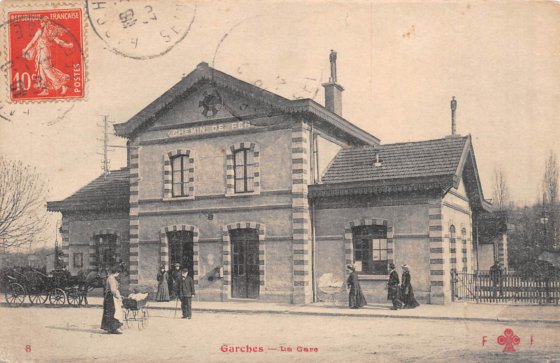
424, 165
110, 193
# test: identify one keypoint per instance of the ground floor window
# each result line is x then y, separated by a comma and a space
181, 249
370, 249
106, 251
78, 260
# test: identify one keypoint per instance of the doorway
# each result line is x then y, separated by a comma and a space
181, 250
245, 263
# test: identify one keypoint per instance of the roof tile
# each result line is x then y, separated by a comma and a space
103, 192
402, 160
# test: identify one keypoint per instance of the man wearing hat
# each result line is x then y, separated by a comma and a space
393, 288
175, 275
185, 292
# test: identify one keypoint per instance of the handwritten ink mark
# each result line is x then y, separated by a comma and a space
410, 33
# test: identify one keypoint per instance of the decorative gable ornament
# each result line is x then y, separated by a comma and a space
211, 103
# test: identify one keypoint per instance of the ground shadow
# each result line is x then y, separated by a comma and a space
91, 330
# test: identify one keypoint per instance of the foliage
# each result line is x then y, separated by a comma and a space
501, 191
539, 270
22, 204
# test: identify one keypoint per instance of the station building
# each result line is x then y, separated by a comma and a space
266, 198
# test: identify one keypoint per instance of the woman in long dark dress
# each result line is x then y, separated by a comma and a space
163, 285
112, 304
356, 298
407, 298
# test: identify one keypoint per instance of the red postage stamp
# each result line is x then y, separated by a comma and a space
46, 55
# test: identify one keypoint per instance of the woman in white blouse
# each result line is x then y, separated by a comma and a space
112, 302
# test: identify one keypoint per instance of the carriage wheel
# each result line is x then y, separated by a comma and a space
57, 296
15, 294
74, 297
38, 297
144, 318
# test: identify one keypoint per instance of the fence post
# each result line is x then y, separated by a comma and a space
476, 287
547, 290
453, 284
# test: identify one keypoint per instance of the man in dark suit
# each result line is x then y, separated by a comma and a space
185, 291
496, 273
393, 288
175, 274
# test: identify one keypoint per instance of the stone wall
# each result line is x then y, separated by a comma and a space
408, 238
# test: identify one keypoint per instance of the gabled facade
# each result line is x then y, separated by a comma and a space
409, 203
95, 223
219, 171
260, 197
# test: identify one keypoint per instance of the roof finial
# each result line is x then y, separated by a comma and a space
453, 109
332, 58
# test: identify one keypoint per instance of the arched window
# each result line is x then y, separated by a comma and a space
106, 250
243, 164
242, 169
464, 248
453, 247
180, 175
370, 249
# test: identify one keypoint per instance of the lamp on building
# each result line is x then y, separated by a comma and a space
378, 162
208, 215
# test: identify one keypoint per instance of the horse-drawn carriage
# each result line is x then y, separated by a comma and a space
57, 288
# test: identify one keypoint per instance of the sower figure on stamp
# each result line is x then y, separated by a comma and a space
185, 292
408, 298
49, 77
112, 302
356, 298
393, 288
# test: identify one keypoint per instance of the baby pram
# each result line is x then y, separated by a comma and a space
136, 310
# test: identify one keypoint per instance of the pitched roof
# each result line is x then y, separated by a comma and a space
424, 165
205, 73
103, 193
429, 158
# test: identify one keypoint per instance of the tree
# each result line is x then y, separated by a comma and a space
550, 180
23, 214
550, 199
501, 190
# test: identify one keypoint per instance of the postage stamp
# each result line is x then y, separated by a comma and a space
46, 56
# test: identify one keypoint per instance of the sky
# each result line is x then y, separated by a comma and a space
399, 62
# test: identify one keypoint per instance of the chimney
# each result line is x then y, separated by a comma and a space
453, 123
333, 91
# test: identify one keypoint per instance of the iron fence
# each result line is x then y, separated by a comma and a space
485, 288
